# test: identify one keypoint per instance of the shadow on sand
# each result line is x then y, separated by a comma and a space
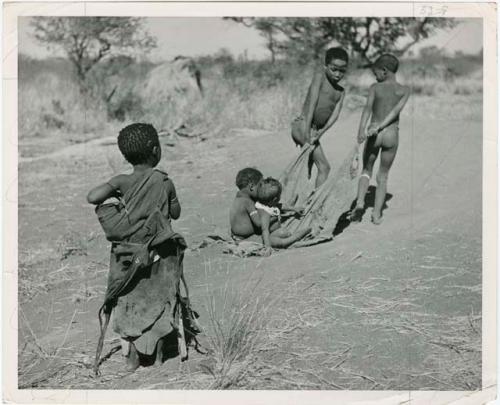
344, 221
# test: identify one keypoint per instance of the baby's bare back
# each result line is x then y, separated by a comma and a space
239, 217
387, 95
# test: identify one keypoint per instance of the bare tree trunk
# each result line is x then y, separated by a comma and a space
271, 46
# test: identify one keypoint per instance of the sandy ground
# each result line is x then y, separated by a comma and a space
396, 306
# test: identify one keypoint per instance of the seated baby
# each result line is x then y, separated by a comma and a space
269, 209
243, 217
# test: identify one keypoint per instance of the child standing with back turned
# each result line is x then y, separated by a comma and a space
146, 255
386, 100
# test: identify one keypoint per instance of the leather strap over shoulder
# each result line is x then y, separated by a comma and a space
160, 170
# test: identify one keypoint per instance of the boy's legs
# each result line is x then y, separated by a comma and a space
322, 164
132, 358
284, 242
386, 159
281, 233
370, 154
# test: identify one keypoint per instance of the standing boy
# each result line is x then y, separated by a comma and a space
385, 101
322, 108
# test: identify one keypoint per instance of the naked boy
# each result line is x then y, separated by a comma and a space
385, 101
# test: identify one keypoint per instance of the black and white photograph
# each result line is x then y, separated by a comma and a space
251, 202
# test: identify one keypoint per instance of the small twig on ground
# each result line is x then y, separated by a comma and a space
329, 383
65, 335
358, 255
437, 267
339, 364
364, 377
33, 335
442, 382
64, 267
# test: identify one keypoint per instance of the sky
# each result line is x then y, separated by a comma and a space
196, 36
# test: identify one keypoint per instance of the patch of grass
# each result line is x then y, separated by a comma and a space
39, 363
235, 332
72, 244
253, 94
42, 268
50, 104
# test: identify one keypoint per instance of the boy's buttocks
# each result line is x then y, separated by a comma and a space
388, 137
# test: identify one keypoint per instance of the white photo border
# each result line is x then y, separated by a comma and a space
483, 10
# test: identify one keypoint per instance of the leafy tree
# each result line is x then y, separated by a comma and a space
431, 52
267, 30
87, 41
366, 38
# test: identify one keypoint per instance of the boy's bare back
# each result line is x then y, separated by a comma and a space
386, 96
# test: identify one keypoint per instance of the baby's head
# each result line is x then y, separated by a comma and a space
384, 66
269, 192
139, 144
336, 60
248, 179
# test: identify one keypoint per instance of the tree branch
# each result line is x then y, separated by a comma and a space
418, 33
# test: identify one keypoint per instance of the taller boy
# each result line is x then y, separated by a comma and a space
322, 108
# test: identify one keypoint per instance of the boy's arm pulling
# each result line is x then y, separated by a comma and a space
333, 118
265, 223
394, 113
287, 208
312, 99
367, 111
104, 191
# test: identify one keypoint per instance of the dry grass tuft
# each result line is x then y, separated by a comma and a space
235, 333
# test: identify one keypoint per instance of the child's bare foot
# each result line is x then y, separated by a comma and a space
125, 347
266, 251
159, 353
357, 214
377, 219
132, 359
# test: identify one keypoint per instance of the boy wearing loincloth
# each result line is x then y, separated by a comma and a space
146, 255
322, 108
385, 102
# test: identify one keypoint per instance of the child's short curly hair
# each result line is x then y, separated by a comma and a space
136, 142
336, 53
270, 190
248, 176
387, 61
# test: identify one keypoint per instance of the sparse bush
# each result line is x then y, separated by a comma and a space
51, 102
235, 331
237, 94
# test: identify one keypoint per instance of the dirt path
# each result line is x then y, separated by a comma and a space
391, 307
74, 151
